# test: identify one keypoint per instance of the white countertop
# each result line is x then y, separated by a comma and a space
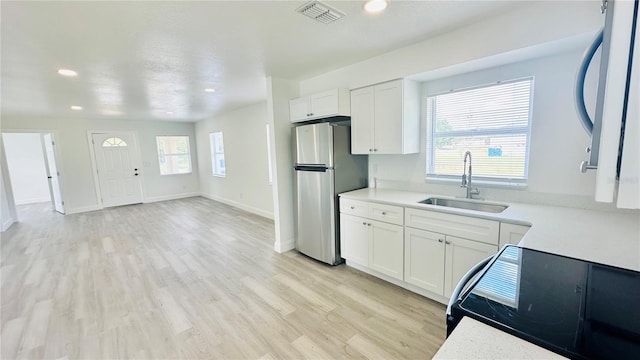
607, 237
484, 342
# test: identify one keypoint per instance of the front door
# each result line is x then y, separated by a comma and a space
116, 157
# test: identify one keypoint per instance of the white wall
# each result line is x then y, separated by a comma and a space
76, 175
246, 184
279, 92
7, 205
26, 163
539, 23
557, 140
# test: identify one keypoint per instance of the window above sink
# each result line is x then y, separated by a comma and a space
492, 121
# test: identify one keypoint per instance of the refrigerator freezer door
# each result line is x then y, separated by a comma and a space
314, 144
316, 215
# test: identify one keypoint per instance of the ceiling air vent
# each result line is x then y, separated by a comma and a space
320, 12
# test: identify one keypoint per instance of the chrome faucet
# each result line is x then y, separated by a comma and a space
466, 180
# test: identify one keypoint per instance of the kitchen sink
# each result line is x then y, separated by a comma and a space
465, 204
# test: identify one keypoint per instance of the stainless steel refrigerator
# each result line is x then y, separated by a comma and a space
324, 167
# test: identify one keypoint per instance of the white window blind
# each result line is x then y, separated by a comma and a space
491, 121
218, 165
174, 155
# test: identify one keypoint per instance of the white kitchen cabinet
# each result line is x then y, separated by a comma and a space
372, 235
424, 259
511, 234
483, 230
328, 103
386, 247
385, 118
460, 256
354, 239
436, 262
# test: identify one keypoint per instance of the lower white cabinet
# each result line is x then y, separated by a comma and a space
462, 255
354, 239
386, 248
374, 244
424, 259
511, 234
436, 262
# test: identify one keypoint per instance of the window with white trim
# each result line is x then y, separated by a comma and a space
218, 165
174, 155
493, 122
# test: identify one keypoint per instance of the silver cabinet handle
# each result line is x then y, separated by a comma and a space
370, 150
353, 207
369, 224
364, 223
447, 242
375, 149
439, 240
384, 213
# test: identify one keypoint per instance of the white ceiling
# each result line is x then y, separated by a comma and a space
140, 60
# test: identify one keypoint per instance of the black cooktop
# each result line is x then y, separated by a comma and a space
575, 308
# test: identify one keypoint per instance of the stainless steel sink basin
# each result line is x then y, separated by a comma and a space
465, 204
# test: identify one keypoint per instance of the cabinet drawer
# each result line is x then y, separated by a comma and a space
354, 207
387, 213
466, 227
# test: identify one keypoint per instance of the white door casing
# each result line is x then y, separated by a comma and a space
52, 173
118, 168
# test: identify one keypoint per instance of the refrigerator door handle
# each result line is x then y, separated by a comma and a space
318, 168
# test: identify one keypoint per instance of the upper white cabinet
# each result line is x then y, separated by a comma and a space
328, 103
385, 118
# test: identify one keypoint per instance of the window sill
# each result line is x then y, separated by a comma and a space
219, 176
186, 173
484, 183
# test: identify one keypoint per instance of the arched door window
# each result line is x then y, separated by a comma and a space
114, 142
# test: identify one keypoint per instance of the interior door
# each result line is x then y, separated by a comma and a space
116, 157
52, 173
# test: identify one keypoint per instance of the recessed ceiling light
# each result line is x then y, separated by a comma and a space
76, 107
374, 6
209, 90
67, 72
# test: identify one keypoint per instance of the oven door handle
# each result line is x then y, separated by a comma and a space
465, 279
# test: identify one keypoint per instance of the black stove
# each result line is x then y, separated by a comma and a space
576, 308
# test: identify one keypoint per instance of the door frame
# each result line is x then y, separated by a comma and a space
59, 165
94, 165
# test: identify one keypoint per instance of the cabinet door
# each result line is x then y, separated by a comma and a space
424, 259
354, 239
324, 103
386, 250
511, 234
462, 255
362, 121
388, 118
299, 109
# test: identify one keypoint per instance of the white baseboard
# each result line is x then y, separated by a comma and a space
81, 209
7, 224
426, 293
32, 201
150, 199
245, 207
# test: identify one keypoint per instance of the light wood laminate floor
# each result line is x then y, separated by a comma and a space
192, 278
